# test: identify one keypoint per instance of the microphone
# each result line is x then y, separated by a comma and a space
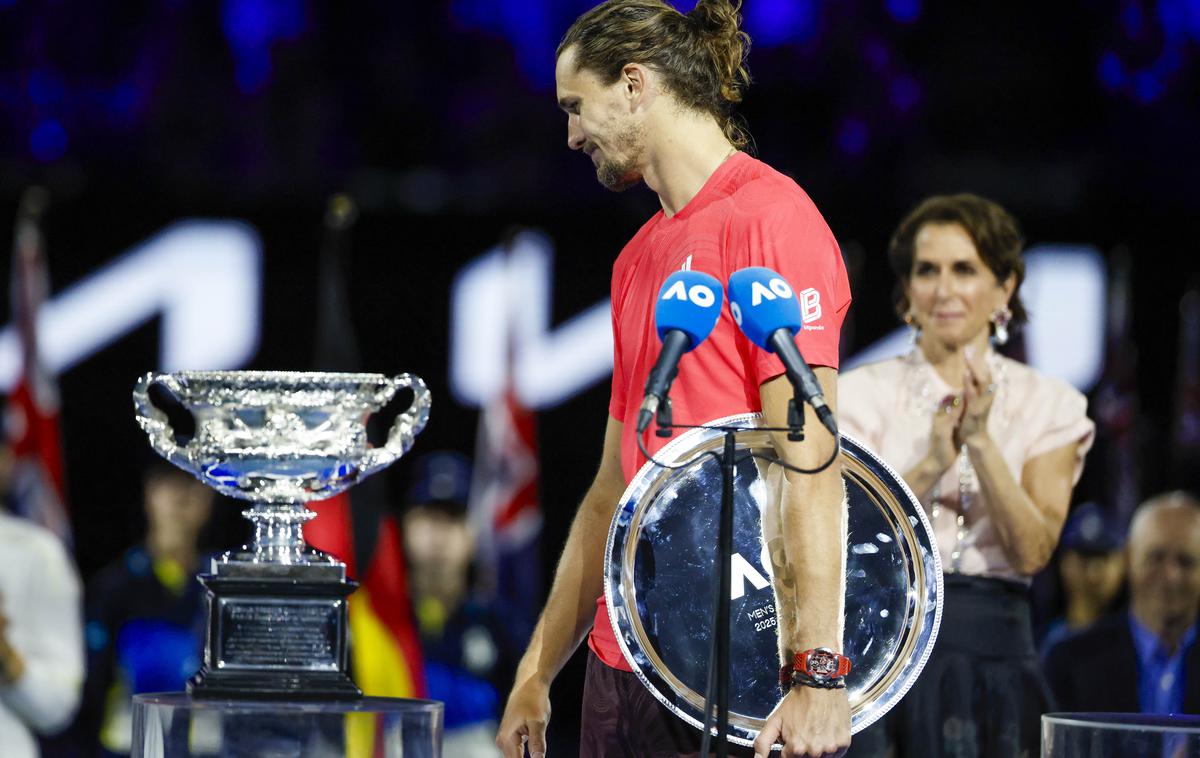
688, 306
765, 307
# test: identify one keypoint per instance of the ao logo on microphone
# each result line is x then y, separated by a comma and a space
778, 288
774, 289
698, 294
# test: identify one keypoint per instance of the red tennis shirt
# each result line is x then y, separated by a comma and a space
746, 214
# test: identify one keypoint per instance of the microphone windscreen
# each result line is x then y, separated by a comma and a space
689, 301
762, 302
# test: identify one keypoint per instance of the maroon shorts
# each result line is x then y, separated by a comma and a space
621, 718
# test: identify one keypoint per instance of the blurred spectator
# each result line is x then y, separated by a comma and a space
470, 644
41, 647
145, 612
1092, 571
1145, 658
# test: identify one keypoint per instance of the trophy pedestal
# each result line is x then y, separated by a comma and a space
276, 632
174, 725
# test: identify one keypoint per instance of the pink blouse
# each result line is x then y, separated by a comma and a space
888, 406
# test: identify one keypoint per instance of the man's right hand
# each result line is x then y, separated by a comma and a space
524, 721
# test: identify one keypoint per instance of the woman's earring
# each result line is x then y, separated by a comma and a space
1000, 320
914, 329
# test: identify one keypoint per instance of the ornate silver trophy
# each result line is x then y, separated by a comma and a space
661, 560
276, 608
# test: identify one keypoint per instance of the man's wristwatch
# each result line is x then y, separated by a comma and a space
818, 667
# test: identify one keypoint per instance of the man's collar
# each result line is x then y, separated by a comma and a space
1148, 644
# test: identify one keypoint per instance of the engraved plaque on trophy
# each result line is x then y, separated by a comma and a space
276, 607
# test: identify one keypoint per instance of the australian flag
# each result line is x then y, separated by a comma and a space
31, 423
504, 507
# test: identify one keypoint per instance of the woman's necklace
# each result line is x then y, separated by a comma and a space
923, 402
966, 485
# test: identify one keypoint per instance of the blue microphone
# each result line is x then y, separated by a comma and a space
765, 307
687, 309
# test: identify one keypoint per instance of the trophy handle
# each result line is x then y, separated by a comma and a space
154, 421
406, 426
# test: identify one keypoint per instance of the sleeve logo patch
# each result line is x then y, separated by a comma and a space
810, 305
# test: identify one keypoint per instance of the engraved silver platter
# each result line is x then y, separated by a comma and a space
660, 571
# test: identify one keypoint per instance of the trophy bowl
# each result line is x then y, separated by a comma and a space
277, 436
277, 439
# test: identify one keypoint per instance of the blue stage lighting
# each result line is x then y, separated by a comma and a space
904, 11
1147, 88
48, 140
1180, 18
853, 136
532, 26
1133, 20
121, 101
776, 22
44, 88
1112, 73
905, 93
252, 26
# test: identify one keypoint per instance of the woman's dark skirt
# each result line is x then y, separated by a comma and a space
982, 694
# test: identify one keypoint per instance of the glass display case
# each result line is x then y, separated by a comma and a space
175, 725
1119, 735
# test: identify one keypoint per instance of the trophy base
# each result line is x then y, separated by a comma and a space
208, 684
275, 633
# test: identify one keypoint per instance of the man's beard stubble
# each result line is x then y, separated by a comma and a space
619, 176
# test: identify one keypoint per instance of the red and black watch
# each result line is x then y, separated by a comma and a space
817, 667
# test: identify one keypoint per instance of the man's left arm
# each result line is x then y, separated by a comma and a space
810, 578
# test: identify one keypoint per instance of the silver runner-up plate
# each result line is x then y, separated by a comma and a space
660, 576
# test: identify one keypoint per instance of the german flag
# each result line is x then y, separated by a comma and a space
385, 652
358, 526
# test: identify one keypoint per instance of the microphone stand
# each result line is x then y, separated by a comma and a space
717, 689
